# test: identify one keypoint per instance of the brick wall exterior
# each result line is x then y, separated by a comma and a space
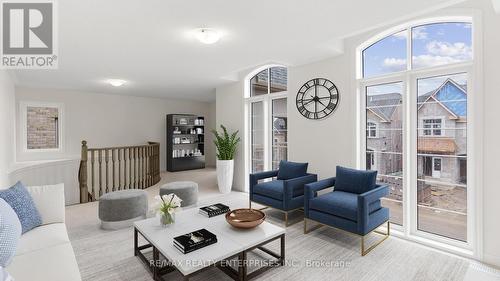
42, 126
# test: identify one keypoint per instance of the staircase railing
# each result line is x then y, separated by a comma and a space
117, 168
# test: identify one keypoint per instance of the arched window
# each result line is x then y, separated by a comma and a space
415, 82
267, 119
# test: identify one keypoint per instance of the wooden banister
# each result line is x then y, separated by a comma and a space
138, 167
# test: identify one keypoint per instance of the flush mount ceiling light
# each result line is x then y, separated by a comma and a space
116, 82
207, 35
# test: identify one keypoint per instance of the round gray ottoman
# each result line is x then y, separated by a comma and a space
186, 190
120, 209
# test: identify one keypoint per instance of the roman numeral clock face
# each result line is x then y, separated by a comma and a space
317, 98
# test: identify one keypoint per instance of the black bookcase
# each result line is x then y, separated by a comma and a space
185, 142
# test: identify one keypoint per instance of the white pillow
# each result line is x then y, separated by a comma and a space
49, 201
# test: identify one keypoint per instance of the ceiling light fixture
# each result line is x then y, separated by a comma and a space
207, 35
116, 82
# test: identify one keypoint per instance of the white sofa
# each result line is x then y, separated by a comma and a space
45, 253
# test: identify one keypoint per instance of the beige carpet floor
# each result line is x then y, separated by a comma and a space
324, 254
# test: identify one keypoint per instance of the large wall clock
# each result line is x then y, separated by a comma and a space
317, 98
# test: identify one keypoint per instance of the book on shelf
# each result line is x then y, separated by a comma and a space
194, 240
214, 210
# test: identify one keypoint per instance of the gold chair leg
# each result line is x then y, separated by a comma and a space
385, 236
286, 219
313, 228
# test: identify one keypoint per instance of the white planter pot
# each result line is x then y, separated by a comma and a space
225, 170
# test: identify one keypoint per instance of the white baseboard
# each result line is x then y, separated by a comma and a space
493, 260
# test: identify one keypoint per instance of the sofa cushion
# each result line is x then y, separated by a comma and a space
57, 263
42, 237
49, 201
355, 181
341, 204
290, 170
21, 201
273, 189
10, 232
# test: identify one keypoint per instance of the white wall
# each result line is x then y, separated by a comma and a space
7, 117
324, 144
211, 124
327, 143
230, 110
491, 136
109, 120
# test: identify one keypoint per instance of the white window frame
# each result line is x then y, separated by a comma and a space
267, 100
23, 118
474, 246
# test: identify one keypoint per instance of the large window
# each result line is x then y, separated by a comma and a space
414, 125
384, 153
268, 123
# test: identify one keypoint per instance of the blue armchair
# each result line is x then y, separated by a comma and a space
353, 206
286, 192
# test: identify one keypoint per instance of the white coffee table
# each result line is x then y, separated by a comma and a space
231, 243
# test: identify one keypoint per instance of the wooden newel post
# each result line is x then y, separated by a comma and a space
84, 191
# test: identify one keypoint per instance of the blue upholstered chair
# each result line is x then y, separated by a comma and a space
286, 192
353, 205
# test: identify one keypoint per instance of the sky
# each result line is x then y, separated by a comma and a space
432, 45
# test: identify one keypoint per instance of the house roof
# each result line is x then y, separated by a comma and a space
384, 105
451, 95
436, 145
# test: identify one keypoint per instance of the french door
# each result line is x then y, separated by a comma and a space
268, 132
422, 150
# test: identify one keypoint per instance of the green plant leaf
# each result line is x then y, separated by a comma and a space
225, 143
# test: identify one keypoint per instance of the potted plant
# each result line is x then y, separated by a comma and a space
226, 147
167, 205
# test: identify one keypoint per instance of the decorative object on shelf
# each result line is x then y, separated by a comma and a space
226, 147
317, 98
199, 122
177, 131
167, 206
245, 218
199, 131
185, 140
182, 121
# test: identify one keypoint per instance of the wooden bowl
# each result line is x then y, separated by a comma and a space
245, 218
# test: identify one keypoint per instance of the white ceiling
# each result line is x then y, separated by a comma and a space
148, 42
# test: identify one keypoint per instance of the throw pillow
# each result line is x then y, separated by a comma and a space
20, 200
49, 201
290, 170
10, 232
355, 181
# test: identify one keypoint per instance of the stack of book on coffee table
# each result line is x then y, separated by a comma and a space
194, 240
214, 210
